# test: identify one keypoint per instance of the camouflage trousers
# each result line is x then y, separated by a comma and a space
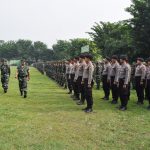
4, 81
98, 80
22, 84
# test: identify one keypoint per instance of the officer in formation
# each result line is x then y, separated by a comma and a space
148, 81
5, 74
106, 78
78, 80
80, 72
77, 73
117, 77
23, 75
56, 70
88, 83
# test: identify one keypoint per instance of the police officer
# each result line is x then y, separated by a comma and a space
148, 81
68, 76
78, 79
140, 74
5, 74
114, 73
72, 75
106, 78
124, 79
87, 80
76, 90
23, 75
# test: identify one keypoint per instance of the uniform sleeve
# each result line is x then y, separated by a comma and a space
91, 70
109, 72
143, 69
77, 72
70, 69
117, 73
127, 75
84, 65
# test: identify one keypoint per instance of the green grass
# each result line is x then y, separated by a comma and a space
49, 120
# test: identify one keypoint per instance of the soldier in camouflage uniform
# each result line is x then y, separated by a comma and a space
98, 73
23, 75
5, 74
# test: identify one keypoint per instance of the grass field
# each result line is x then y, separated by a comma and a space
49, 120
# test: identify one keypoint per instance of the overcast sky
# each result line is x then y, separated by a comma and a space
51, 20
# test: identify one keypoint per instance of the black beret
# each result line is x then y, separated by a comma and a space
114, 57
107, 58
140, 59
89, 56
82, 56
124, 57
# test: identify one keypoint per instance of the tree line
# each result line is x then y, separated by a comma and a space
130, 37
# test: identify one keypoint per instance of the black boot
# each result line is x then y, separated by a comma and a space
106, 98
21, 93
25, 94
5, 90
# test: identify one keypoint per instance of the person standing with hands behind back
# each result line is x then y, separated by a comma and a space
87, 80
23, 75
140, 75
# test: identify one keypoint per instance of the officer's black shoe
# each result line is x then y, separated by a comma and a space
103, 98
148, 107
123, 108
89, 110
106, 98
80, 103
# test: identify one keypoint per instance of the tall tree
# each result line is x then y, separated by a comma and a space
112, 38
61, 50
140, 23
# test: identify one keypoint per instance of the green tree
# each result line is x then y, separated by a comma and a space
113, 38
140, 23
61, 50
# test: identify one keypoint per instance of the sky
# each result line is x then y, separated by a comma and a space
52, 20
